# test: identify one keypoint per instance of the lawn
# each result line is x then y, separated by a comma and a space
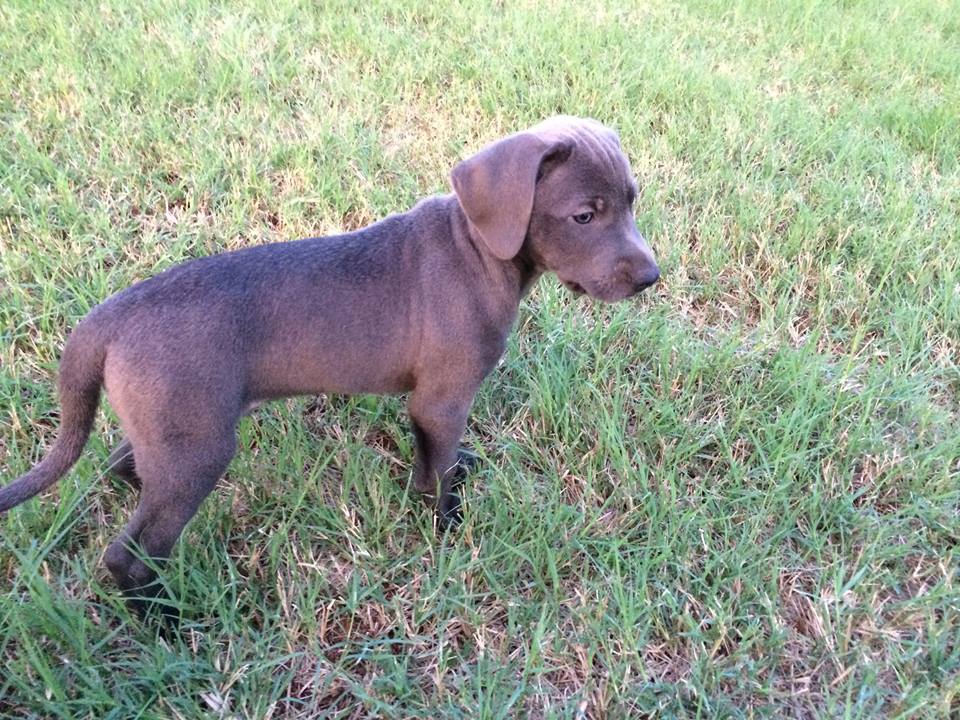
736, 496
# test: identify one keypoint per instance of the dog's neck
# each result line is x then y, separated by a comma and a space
516, 275
527, 268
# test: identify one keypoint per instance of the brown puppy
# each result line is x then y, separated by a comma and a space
420, 302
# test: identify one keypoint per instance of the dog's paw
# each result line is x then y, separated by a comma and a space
169, 624
155, 608
449, 508
449, 511
467, 462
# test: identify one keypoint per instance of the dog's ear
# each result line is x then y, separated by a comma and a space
495, 187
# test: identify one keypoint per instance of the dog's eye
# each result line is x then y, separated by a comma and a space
583, 218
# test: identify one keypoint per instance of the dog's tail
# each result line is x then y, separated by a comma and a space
81, 374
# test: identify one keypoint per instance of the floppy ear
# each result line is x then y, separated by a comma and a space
495, 187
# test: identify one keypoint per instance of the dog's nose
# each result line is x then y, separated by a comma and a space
647, 277
644, 271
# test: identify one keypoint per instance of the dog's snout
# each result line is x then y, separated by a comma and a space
645, 279
646, 272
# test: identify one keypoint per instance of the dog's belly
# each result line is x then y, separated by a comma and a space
306, 368
346, 375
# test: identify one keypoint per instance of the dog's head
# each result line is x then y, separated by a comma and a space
562, 193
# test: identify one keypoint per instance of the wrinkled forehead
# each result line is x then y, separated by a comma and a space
596, 148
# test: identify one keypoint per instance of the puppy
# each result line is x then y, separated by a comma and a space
420, 302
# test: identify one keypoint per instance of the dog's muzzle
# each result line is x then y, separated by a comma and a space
645, 279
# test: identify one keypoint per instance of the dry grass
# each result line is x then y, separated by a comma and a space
736, 497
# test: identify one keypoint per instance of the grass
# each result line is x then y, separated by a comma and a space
735, 497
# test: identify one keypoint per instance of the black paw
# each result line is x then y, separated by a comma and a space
467, 462
155, 607
450, 505
450, 510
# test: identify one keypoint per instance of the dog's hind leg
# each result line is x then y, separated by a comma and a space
121, 464
175, 480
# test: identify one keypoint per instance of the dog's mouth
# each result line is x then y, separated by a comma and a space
574, 287
604, 292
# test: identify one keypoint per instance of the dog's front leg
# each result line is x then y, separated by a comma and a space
439, 418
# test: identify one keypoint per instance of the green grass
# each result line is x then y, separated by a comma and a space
735, 497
